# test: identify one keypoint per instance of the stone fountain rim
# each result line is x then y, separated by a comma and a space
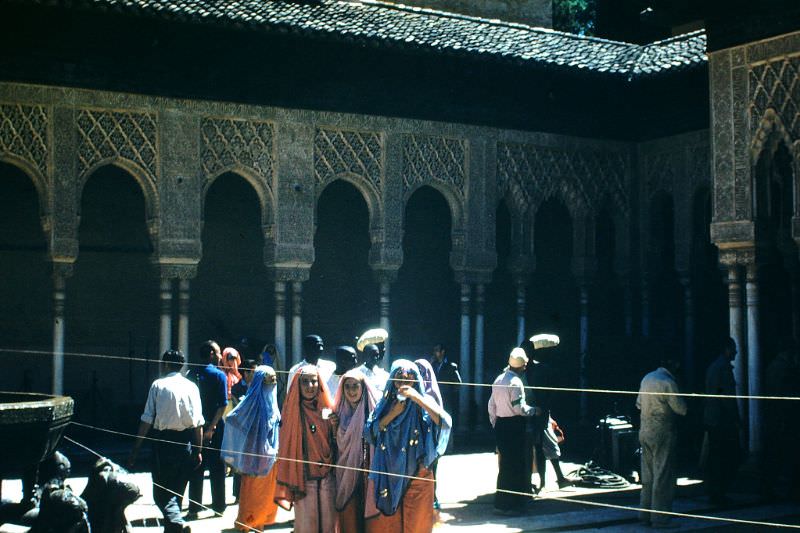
48, 408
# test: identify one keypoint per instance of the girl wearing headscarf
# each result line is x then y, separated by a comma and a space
409, 431
305, 475
231, 360
431, 386
355, 401
250, 447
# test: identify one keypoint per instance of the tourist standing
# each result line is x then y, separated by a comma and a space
305, 476
213, 387
174, 414
409, 431
250, 447
658, 436
508, 413
312, 355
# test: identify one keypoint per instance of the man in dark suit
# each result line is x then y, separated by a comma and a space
448, 377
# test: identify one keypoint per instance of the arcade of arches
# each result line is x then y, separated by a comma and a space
132, 224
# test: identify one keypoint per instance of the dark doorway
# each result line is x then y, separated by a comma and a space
425, 308
26, 288
111, 302
341, 294
500, 313
231, 298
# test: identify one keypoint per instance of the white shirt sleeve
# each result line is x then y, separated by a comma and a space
149, 414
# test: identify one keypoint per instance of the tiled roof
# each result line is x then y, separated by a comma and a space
382, 23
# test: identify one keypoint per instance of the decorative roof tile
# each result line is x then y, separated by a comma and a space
382, 23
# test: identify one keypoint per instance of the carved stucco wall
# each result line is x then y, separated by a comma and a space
755, 97
678, 166
176, 148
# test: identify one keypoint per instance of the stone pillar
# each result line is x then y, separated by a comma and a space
521, 334
584, 348
166, 315
297, 321
384, 304
480, 395
688, 330
736, 324
280, 320
183, 316
465, 393
753, 360
60, 274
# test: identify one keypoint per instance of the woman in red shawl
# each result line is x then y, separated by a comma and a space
305, 476
230, 365
355, 500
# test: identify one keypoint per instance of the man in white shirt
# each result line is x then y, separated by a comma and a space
312, 350
174, 413
508, 413
371, 368
658, 437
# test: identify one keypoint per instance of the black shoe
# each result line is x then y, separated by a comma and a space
562, 483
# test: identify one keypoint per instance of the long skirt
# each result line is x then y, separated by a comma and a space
351, 518
415, 514
257, 507
316, 511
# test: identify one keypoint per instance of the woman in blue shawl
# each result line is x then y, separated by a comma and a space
409, 431
250, 446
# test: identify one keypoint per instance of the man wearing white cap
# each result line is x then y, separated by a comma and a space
507, 413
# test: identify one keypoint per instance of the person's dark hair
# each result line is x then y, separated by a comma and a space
173, 359
439, 347
310, 351
249, 365
729, 345
203, 350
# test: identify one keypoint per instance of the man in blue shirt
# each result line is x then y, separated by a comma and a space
214, 396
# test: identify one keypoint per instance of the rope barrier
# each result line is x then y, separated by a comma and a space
516, 493
163, 487
453, 383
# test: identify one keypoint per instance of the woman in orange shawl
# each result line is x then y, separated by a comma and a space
355, 500
230, 365
305, 476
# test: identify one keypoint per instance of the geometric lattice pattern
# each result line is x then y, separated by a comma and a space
355, 152
776, 85
427, 158
660, 170
23, 133
579, 178
228, 142
111, 134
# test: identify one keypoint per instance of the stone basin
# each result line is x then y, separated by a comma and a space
31, 427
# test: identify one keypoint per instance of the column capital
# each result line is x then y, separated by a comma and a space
176, 269
290, 274
63, 269
473, 277
735, 256
384, 273
521, 267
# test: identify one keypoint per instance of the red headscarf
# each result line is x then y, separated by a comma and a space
304, 436
231, 367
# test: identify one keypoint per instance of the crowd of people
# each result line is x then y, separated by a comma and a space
331, 449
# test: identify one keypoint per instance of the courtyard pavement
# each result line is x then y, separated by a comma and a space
466, 490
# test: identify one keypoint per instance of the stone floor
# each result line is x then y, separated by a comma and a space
466, 489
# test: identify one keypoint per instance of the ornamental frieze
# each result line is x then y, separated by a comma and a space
579, 177
228, 142
428, 159
108, 135
23, 133
338, 152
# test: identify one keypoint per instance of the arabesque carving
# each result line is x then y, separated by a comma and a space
339, 152
429, 159
229, 142
23, 133
128, 135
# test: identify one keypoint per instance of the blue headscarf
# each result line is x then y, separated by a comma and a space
251, 428
411, 440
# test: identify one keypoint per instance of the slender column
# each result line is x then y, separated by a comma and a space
688, 330
736, 323
166, 315
280, 320
297, 321
385, 287
753, 360
183, 316
465, 393
59, 297
479, 299
645, 309
584, 347
520, 313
